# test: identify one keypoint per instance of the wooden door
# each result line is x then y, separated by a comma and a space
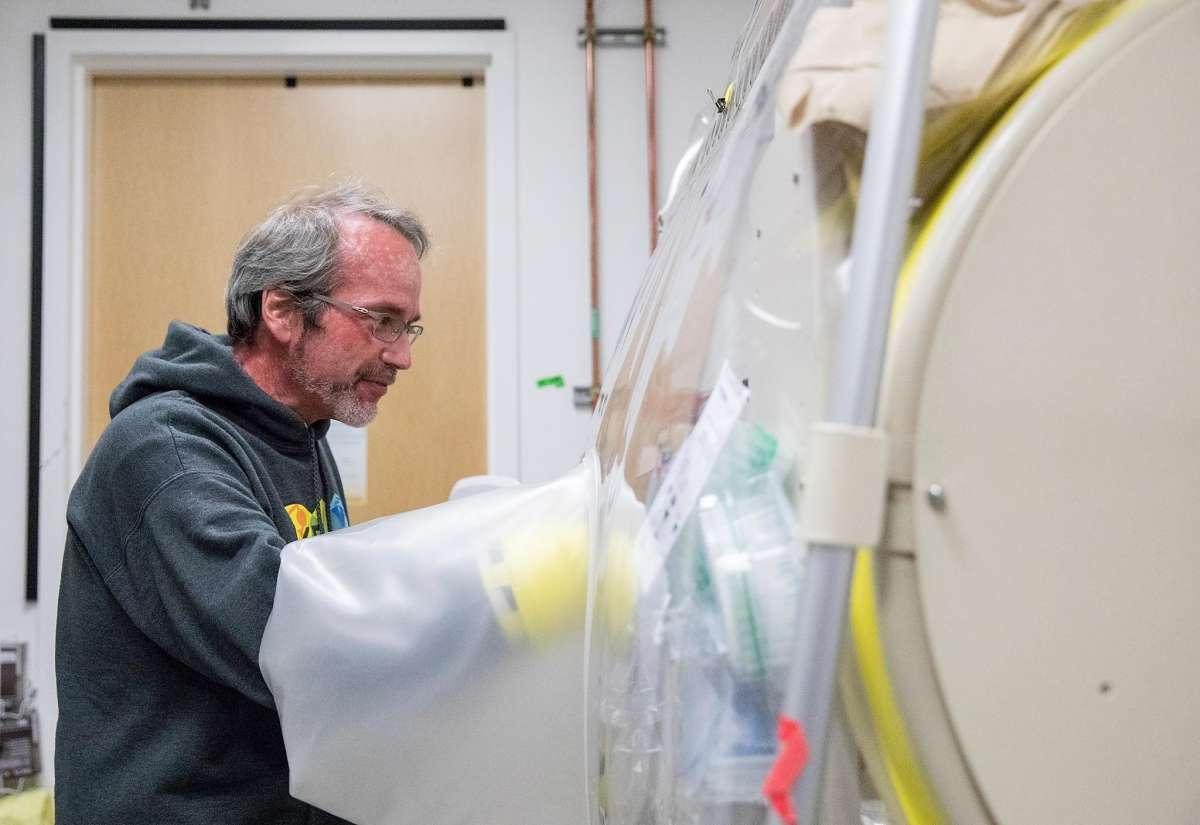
182, 167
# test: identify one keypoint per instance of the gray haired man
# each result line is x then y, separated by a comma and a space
214, 459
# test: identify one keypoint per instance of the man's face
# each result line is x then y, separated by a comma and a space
340, 368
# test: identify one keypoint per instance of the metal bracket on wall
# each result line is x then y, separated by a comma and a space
630, 37
584, 397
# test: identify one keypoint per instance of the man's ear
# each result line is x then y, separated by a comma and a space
281, 318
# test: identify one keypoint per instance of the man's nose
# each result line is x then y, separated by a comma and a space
398, 354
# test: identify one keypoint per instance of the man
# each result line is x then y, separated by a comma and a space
215, 458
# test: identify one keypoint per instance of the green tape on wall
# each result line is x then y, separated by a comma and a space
551, 381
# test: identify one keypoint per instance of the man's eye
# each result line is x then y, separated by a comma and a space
391, 324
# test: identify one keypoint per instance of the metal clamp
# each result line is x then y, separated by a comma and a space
624, 37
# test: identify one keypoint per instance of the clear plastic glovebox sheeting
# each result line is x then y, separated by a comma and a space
426, 666
719, 371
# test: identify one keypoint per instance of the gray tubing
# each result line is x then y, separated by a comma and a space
880, 227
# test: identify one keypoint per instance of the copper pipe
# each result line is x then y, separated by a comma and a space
651, 128
593, 207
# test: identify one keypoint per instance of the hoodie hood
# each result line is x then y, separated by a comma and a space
201, 365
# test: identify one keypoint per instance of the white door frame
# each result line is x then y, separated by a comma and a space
74, 57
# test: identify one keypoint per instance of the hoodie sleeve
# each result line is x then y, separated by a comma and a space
199, 576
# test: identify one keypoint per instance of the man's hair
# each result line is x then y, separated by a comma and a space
296, 250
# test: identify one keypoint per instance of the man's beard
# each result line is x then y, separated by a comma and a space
337, 396
347, 407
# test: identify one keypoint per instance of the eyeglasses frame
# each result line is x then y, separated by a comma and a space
413, 331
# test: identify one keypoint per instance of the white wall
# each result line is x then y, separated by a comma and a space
551, 218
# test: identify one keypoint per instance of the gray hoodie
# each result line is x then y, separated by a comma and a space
174, 532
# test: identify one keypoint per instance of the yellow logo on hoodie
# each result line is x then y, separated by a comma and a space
314, 522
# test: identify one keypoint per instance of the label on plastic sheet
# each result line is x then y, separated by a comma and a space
693, 464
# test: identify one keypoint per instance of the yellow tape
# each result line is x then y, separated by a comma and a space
547, 570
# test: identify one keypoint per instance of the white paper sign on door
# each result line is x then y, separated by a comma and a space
349, 446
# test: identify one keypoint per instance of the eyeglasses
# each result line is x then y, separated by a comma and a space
386, 328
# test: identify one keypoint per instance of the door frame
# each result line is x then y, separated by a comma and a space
74, 57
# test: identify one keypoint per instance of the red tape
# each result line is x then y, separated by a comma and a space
789, 764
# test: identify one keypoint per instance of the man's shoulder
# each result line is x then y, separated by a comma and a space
157, 438
161, 417
149, 447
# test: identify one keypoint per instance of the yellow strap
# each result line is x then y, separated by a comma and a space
903, 770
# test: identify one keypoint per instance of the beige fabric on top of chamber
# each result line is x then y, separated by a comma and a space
835, 73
